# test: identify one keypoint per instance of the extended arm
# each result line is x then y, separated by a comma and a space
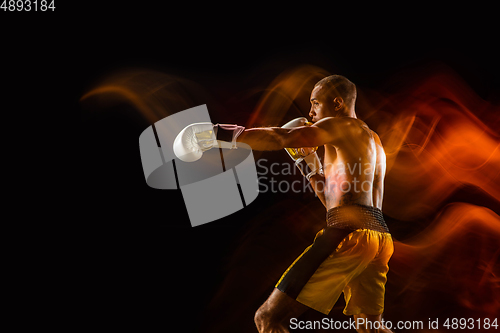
325, 131
264, 138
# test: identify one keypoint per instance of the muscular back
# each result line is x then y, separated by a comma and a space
354, 167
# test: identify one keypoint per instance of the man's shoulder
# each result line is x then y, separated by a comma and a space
376, 138
365, 127
345, 127
335, 122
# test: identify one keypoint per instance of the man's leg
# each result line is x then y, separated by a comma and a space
275, 314
369, 323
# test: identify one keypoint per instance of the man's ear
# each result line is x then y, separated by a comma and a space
338, 103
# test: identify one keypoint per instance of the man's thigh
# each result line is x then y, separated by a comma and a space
281, 307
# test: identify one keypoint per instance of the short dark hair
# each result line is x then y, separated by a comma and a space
340, 86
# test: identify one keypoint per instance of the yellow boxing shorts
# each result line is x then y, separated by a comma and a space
357, 266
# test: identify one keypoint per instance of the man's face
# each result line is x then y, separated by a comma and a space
322, 104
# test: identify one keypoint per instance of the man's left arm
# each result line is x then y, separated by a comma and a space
275, 138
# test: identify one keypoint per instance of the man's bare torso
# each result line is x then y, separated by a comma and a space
355, 168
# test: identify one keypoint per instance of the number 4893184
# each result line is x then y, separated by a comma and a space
28, 5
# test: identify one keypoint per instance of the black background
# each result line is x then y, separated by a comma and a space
137, 262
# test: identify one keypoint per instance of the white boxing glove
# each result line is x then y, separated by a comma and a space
197, 138
306, 159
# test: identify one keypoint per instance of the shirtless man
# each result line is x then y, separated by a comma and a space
351, 254
354, 170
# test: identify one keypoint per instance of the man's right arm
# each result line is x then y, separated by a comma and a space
318, 185
379, 176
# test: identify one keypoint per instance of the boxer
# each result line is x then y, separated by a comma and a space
351, 254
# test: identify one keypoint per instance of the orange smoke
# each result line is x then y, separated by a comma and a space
155, 95
458, 254
446, 146
287, 95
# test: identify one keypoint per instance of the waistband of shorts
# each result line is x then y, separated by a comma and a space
356, 217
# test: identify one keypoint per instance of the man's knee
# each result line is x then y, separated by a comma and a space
259, 316
264, 319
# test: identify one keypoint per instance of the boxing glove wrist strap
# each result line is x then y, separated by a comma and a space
310, 166
228, 133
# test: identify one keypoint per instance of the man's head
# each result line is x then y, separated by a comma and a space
333, 96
